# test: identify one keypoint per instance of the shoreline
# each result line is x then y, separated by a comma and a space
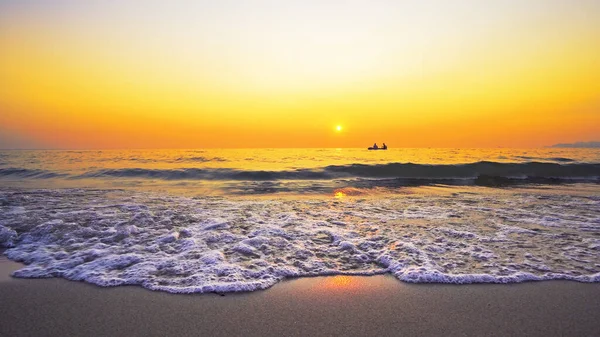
324, 305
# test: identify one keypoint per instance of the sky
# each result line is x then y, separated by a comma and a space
256, 73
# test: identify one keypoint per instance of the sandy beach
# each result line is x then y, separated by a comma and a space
319, 306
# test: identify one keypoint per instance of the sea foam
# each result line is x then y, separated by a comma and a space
213, 244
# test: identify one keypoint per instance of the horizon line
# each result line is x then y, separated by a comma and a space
280, 148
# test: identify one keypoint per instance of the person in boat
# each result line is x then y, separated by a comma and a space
375, 146
384, 146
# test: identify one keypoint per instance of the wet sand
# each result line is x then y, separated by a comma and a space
325, 306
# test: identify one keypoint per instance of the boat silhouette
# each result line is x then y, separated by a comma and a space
375, 147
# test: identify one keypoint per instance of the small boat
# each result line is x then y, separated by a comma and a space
378, 148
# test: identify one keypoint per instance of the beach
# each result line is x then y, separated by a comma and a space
306, 242
317, 306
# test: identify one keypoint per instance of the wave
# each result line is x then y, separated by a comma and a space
202, 244
555, 159
210, 174
474, 172
357, 175
29, 173
198, 159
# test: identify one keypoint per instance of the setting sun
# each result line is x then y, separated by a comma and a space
258, 73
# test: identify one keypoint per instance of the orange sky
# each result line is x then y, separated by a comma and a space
114, 74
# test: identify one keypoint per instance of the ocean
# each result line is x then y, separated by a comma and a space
228, 220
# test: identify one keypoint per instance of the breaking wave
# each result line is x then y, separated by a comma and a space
29, 173
474, 173
208, 244
353, 175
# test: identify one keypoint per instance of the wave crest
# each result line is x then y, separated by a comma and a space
477, 172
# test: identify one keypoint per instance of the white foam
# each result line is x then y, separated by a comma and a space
7, 236
182, 245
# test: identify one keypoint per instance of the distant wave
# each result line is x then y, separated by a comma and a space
564, 160
210, 174
198, 159
29, 173
556, 159
479, 172
393, 174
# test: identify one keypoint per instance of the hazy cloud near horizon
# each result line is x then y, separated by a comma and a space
593, 144
11, 140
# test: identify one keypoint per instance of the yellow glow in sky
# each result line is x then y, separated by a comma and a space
181, 74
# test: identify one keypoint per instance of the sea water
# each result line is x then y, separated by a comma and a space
188, 221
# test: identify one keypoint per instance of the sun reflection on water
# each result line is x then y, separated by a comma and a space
339, 195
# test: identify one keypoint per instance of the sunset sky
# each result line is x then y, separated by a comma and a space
191, 74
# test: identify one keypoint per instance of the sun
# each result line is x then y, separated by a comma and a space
338, 128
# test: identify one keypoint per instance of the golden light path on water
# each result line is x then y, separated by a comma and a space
339, 195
